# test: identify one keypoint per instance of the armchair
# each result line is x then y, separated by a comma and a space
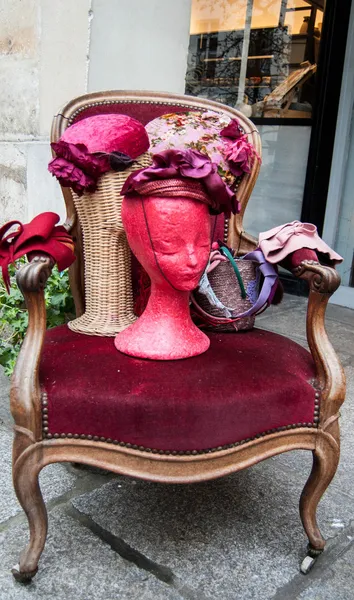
249, 397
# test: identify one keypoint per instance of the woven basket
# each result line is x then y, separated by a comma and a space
107, 259
224, 283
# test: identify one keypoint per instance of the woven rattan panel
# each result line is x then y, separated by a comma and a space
108, 286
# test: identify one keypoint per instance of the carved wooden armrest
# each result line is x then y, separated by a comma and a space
25, 391
323, 282
33, 276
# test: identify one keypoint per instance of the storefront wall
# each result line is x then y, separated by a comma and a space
43, 63
139, 45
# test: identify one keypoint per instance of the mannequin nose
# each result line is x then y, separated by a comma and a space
192, 259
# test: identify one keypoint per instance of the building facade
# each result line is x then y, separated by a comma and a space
272, 58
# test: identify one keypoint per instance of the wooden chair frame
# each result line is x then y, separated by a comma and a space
32, 450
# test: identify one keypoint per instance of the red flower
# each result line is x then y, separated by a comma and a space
79, 155
75, 167
240, 155
233, 130
71, 176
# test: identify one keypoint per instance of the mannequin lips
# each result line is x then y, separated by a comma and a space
187, 277
188, 280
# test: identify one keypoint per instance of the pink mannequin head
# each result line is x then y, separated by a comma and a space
171, 238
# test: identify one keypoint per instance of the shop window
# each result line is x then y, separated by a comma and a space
260, 53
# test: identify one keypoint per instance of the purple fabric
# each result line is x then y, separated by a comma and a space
270, 279
191, 164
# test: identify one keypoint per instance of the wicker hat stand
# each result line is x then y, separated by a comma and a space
107, 259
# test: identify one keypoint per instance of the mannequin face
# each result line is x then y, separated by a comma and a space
180, 233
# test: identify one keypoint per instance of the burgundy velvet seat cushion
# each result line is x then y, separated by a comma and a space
244, 385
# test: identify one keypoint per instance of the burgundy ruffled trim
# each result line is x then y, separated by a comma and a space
186, 164
75, 167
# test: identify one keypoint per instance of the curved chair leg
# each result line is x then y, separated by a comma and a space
325, 462
25, 478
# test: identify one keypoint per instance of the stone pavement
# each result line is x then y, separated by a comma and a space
236, 538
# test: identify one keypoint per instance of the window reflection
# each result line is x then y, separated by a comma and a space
257, 52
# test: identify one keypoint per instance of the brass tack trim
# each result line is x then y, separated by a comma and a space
193, 452
108, 102
226, 230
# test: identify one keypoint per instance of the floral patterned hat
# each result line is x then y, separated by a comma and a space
95, 145
219, 137
198, 155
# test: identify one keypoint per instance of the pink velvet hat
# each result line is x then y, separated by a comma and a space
95, 145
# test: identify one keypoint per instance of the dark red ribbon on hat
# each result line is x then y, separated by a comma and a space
40, 235
186, 164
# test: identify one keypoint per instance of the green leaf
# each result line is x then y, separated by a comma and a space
14, 316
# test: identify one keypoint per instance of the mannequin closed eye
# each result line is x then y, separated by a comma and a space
172, 249
169, 247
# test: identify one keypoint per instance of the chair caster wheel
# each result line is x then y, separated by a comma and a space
22, 577
307, 564
309, 560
